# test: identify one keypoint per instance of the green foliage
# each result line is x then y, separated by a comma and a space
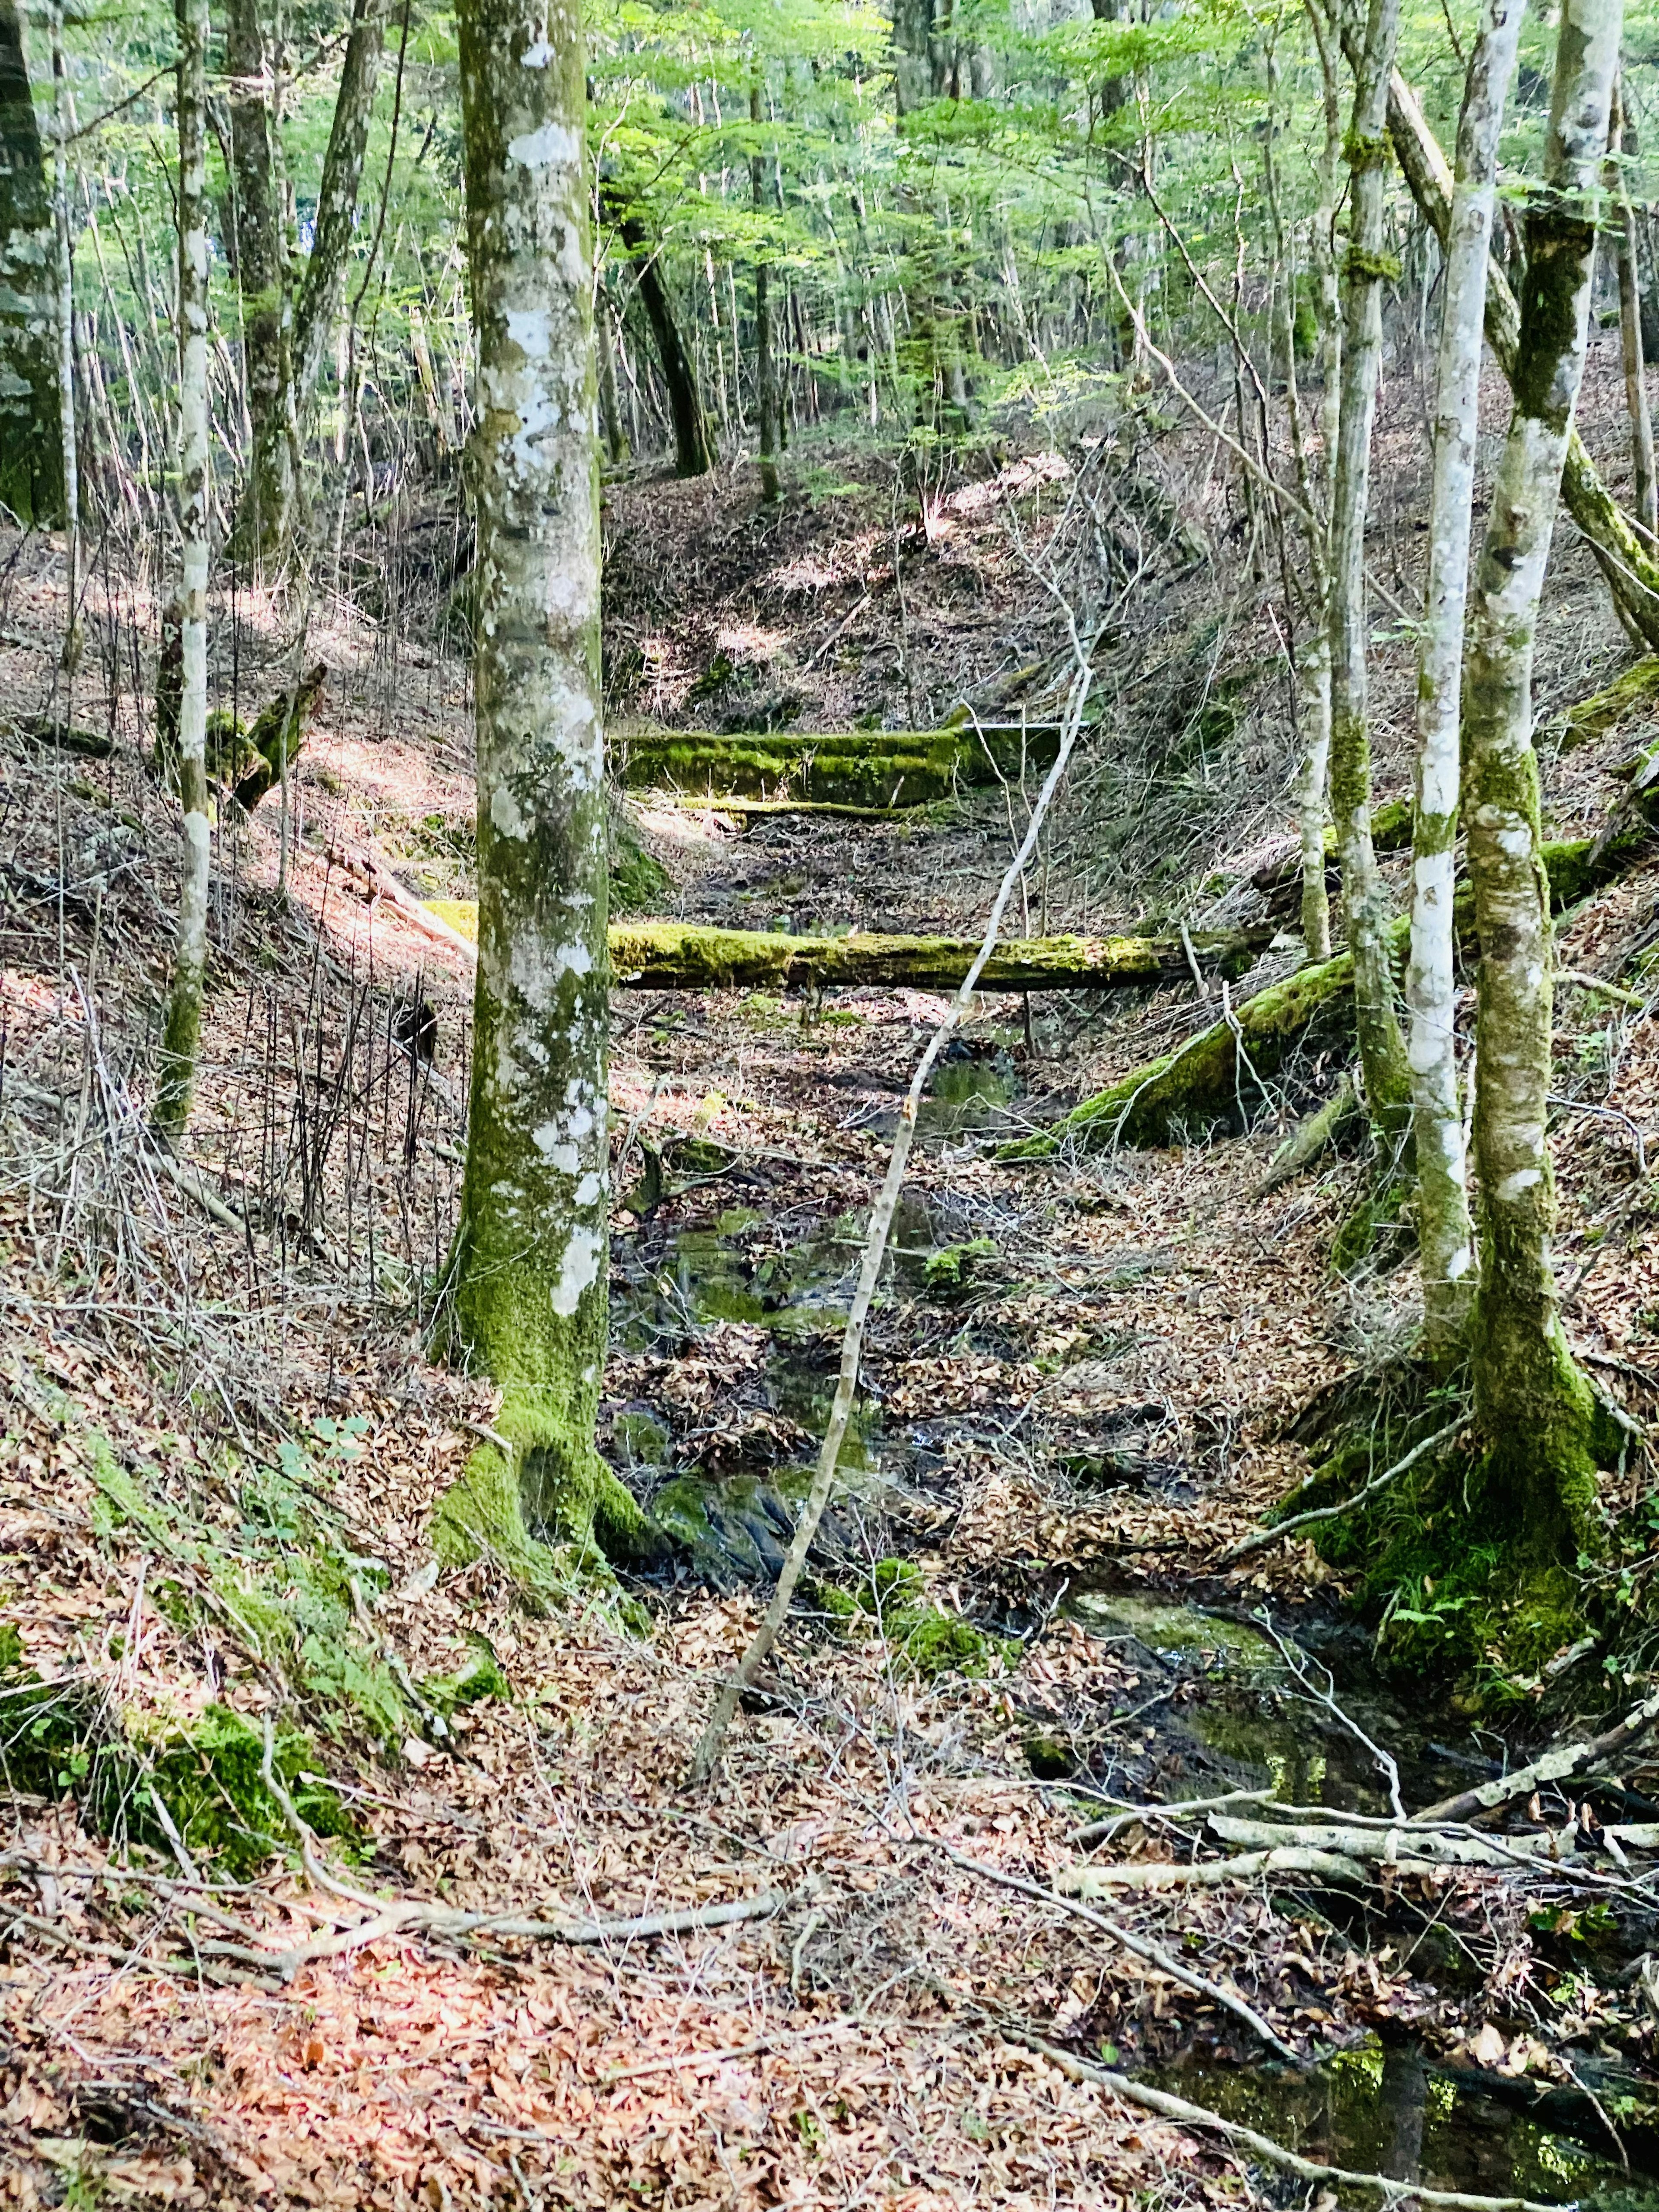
480, 1675
281, 1568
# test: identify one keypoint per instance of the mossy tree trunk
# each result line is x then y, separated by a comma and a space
318, 302
531, 1264
261, 277
30, 448
1630, 325
1629, 564
63, 296
1314, 661
1445, 1239
1382, 1052
181, 1037
1535, 1406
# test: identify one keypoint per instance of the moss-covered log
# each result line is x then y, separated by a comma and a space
1635, 690
1203, 1081
1391, 832
880, 769
681, 955
262, 757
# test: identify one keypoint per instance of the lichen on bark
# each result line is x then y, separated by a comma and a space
1536, 1412
529, 1273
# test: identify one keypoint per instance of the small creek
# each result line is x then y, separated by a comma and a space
1223, 1707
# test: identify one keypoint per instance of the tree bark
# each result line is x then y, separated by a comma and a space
693, 454
1629, 327
765, 400
181, 1037
1533, 1406
63, 296
318, 300
1382, 1052
1445, 1239
530, 1270
261, 277
31, 447
1630, 567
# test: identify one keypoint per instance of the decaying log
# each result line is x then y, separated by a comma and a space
261, 757
679, 955
878, 769
1630, 692
1204, 1080
669, 956
1557, 1766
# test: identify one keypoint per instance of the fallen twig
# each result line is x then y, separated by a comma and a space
1260, 1539
1142, 1946
1556, 1765
1197, 2116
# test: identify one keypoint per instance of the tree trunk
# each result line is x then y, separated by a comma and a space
693, 454
531, 1271
1313, 684
1382, 1052
63, 294
30, 446
1629, 565
765, 405
1444, 1237
1630, 328
181, 1037
608, 343
1534, 1407
261, 280
318, 300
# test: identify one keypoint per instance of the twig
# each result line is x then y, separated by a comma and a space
1293, 1658
1141, 1946
1260, 1539
707, 1757
1196, 2116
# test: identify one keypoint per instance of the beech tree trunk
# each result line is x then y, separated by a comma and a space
765, 402
1382, 1051
1630, 327
1445, 1239
1533, 1406
31, 447
63, 299
318, 300
261, 278
530, 1266
181, 1037
1629, 564
693, 454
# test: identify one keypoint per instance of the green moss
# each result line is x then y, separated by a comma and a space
1049, 1756
1636, 689
952, 1272
875, 769
60, 1740
480, 1675
1444, 1565
639, 882
926, 1641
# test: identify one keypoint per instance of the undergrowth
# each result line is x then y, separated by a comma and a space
926, 1641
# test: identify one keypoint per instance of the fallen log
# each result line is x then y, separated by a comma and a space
1557, 1766
260, 758
667, 955
1215, 1075
680, 956
877, 769
1634, 688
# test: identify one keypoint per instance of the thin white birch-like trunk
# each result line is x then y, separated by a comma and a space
182, 1038
1445, 1239
63, 131
1630, 327
1381, 1048
1534, 1407
531, 1267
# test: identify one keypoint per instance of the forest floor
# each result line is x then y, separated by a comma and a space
224, 1446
